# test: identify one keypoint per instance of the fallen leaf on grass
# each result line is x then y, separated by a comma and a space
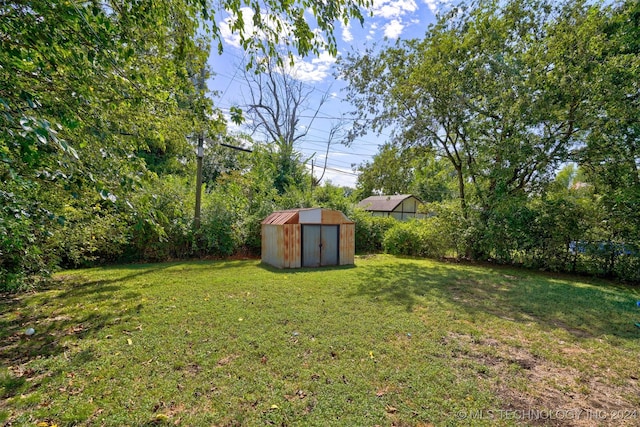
129, 341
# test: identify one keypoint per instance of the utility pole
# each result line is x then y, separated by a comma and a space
199, 155
313, 180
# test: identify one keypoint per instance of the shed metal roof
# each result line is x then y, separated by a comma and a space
282, 217
295, 216
384, 203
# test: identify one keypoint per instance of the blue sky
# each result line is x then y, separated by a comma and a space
389, 20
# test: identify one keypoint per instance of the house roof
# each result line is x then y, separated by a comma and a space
384, 203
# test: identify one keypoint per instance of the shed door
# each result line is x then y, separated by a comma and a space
330, 235
320, 245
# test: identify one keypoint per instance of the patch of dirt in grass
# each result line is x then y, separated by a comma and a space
227, 359
193, 369
537, 391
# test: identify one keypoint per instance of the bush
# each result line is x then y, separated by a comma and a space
23, 262
450, 228
163, 221
505, 232
425, 238
370, 230
627, 266
404, 238
90, 238
25, 230
217, 236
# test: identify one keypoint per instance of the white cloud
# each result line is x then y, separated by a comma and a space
232, 38
304, 69
346, 32
393, 29
372, 31
392, 9
272, 22
314, 70
435, 6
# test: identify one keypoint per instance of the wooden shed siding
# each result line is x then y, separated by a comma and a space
334, 217
347, 244
297, 247
272, 241
290, 246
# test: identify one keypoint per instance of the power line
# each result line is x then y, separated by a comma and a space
308, 144
233, 77
365, 142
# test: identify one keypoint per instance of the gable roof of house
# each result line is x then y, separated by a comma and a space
384, 203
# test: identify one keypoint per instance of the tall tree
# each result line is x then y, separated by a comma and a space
485, 89
280, 113
611, 155
95, 96
84, 88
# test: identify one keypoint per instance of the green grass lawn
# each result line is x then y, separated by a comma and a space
391, 341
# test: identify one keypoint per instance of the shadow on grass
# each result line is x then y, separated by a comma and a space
581, 308
185, 265
277, 270
75, 306
69, 309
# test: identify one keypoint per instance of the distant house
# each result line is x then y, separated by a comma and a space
400, 207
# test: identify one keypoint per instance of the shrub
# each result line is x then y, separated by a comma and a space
23, 262
163, 221
404, 238
426, 238
450, 228
217, 236
25, 229
90, 238
370, 230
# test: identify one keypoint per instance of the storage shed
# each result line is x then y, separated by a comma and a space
308, 238
400, 207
